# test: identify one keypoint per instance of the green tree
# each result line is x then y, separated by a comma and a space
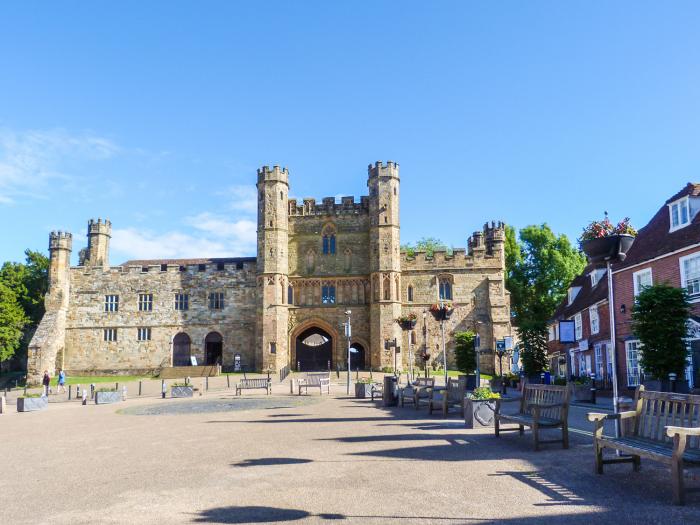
659, 318
539, 269
465, 355
12, 322
534, 347
429, 245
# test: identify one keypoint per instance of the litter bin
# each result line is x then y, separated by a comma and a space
389, 395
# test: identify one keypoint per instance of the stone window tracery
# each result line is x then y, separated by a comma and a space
329, 240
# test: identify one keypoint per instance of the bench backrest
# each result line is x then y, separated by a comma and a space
455, 389
424, 382
545, 395
315, 378
254, 383
656, 410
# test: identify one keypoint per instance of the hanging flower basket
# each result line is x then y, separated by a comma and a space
442, 311
601, 241
407, 322
425, 356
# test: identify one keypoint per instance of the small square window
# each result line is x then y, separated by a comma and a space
216, 301
239, 266
144, 269
110, 335
202, 267
163, 267
182, 301
144, 334
111, 303
145, 302
183, 268
220, 267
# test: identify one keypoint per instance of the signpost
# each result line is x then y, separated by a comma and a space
348, 334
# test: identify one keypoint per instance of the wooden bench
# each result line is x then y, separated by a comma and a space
452, 396
663, 427
541, 407
321, 380
408, 392
252, 384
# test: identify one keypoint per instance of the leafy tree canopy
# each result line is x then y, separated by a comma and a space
429, 245
659, 318
12, 321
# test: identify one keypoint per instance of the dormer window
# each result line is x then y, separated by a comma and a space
679, 213
594, 278
573, 292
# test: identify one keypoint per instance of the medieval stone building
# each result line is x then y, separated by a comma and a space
283, 308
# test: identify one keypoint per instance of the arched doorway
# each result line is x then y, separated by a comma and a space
314, 350
357, 356
213, 348
181, 350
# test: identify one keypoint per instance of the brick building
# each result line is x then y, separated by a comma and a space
587, 305
283, 308
666, 250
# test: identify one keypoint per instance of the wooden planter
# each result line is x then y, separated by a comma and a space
104, 398
613, 247
361, 390
181, 391
479, 413
32, 404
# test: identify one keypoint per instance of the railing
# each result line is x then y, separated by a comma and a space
284, 372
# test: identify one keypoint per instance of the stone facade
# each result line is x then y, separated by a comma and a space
315, 263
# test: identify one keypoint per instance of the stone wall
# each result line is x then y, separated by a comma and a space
85, 348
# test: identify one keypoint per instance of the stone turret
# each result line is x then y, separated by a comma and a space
273, 268
99, 234
385, 262
46, 349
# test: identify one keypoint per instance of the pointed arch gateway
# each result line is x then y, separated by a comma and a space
313, 343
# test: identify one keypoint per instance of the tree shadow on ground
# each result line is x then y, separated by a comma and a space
259, 462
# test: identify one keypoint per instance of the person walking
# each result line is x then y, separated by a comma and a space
61, 381
46, 381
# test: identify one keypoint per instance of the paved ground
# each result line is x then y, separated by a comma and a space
292, 460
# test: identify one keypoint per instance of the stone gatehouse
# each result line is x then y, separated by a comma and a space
286, 307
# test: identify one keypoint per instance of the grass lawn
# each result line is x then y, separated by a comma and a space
456, 373
86, 380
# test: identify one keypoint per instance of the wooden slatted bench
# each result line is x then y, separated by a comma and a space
665, 427
408, 392
252, 384
541, 407
321, 380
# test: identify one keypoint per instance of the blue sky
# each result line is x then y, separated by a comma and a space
158, 114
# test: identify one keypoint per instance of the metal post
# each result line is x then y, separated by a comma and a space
116, 386
593, 389
348, 333
139, 387
228, 380
92, 391
613, 342
206, 381
70, 392
162, 388
444, 348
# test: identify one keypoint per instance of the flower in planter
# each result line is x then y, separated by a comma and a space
443, 305
605, 228
406, 319
483, 394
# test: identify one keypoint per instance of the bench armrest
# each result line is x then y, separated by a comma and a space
683, 431
509, 399
597, 416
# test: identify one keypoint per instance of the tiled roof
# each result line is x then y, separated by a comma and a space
655, 239
185, 262
587, 296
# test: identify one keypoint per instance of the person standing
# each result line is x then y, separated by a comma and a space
61, 381
46, 381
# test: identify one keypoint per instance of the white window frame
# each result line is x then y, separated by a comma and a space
109, 335
598, 354
572, 293
639, 274
578, 326
216, 300
182, 302
145, 302
111, 303
594, 278
694, 297
594, 319
143, 334
552, 334
681, 204
632, 349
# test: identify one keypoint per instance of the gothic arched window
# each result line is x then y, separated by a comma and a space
445, 289
329, 240
410, 294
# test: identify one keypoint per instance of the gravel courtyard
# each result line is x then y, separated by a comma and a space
287, 459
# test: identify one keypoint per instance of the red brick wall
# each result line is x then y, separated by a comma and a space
664, 270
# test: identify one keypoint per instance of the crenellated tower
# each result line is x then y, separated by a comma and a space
385, 262
60, 248
99, 234
272, 268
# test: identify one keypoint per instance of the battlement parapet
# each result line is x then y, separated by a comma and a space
329, 206
59, 240
379, 169
98, 226
486, 240
273, 174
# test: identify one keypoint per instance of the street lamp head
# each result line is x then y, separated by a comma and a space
348, 312
425, 314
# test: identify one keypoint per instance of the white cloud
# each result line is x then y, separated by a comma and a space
31, 160
243, 198
219, 238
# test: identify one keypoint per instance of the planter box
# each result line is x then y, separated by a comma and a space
361, 390
582, 393
408, 325
181, 391
614, 247
657, 385
104, 398
31, 404
479, 413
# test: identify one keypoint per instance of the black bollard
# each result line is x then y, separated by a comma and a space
228, 380
92, 391
593, 389
70, 392
139, 387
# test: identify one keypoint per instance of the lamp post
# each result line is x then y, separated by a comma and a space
442, 331
425, 341
348, 334
501, 353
